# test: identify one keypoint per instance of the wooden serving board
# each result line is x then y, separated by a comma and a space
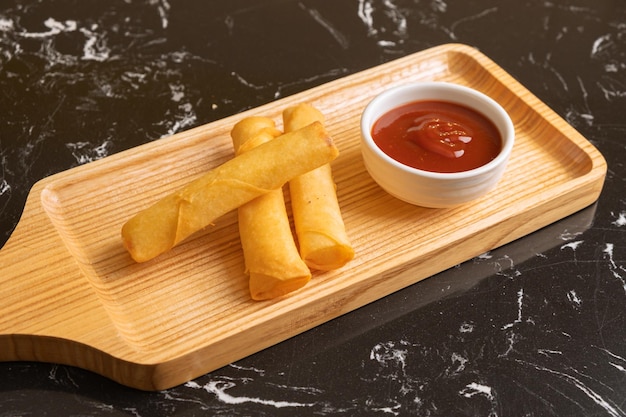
71, 294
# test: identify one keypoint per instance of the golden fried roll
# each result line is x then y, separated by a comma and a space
239, 180
272, 260
321, 232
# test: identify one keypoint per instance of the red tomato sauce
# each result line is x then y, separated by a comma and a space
437, 136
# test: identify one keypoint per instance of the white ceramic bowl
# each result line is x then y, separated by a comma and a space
434, 189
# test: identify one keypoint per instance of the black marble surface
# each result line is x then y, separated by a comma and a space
535, 328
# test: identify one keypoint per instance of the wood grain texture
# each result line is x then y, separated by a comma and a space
72, 295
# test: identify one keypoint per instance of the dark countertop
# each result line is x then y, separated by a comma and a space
534, 328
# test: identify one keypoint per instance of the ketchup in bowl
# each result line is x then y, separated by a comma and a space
437, 136
435, 144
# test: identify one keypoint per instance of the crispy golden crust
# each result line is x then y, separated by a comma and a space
251, 174
272, 260
322, 236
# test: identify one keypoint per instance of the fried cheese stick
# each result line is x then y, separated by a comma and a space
272, 261
324, 244
267, 167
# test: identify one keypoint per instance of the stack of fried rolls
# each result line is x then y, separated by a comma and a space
271, 257
265, 159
